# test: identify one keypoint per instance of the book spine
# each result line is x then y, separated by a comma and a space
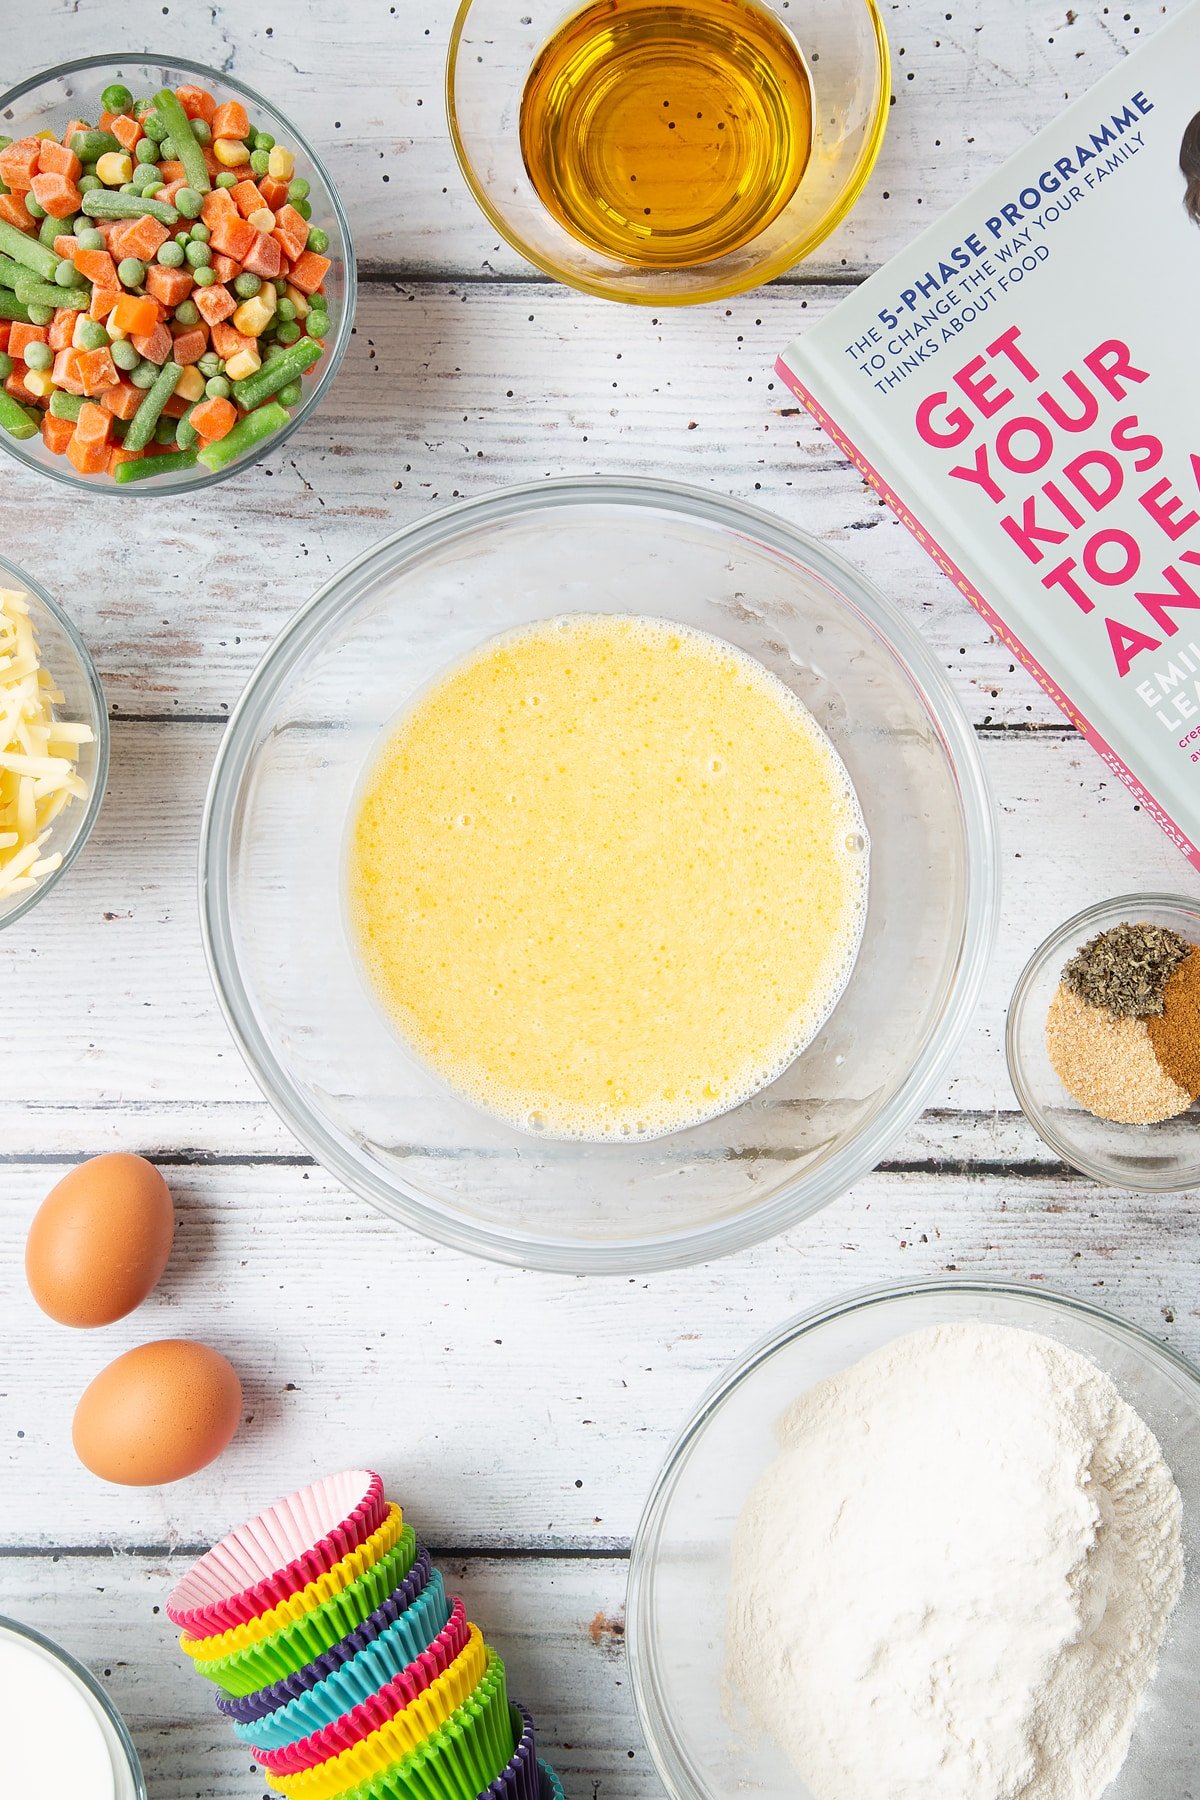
984, 607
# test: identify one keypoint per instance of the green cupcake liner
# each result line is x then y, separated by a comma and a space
302, 1640
462, 1758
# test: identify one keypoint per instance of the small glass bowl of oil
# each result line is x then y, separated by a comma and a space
667, 151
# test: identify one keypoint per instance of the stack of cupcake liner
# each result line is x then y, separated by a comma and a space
343, 1664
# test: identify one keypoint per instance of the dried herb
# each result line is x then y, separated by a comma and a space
1126, 969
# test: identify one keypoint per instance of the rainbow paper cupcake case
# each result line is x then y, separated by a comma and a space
346, 1669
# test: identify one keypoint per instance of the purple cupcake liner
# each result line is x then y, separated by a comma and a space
552, 1787
247, 1708
520, 1779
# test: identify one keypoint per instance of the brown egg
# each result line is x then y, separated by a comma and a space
100, 1240
158, 1413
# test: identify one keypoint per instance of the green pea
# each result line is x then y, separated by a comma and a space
124, 354
167, 147
131, 272
38, 356
205, 277
259, 162
5, 141
285, 310
226, 178
186, 313
33, 207
304, 208
144, 375
154, 127
92, 335
146, 150
288, 332
318, 240
141, 108
164, 431
202, 131
273, 352
187, 203
87, 184
210, 363
245, 285
216, 387
262, 140
198, 255
40, 315
200, 233
67, 275
6, 361
89, 239
317, 325
170, 254
298, 189
183, 239
49, 229
290, 395
116, 98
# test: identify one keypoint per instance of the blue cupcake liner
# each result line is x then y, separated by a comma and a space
552, 1787
421, 1579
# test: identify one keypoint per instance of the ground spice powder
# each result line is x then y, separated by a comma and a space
1109, 1064
1176, 1035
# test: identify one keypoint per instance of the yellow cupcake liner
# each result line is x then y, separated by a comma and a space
302, 1640
333, 1581
462, 1759
405, 1732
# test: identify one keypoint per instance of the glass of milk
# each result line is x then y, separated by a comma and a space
61, 1732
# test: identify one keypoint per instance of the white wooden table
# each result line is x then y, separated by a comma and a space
519, 1417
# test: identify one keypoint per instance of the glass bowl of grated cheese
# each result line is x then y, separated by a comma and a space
53, 743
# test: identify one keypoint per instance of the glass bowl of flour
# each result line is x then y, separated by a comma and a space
938, 1540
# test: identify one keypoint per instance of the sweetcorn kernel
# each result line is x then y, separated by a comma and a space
113, 168
299, 301
231, 153
190, 385
281, 164
262, 219
253, 316
242, 364
39, 382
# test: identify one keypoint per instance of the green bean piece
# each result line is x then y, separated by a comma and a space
141, 426
145, 468
9, 270
90, 146
116, 98
66, 406
41, 293
104, 204
131, 272
276, 374
6, 366
186, 435
124, 355
187, 150
152, 188
17, 420
39, 356
34, 207
251, 430
164, 432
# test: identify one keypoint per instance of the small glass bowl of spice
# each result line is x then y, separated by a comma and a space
1103, 1042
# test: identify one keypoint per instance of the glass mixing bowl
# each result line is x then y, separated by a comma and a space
46, 103
679, 1572
127, 1779
66, 657
492, 48
271, 879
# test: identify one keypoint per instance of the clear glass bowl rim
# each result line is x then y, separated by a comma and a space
103, 741
1080, 925
208, 478
612, 289
88, 1680
803, 1196
645, 1542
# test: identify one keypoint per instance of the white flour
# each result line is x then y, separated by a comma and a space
954, 1580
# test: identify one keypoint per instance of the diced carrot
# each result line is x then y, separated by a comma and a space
22, 335
89, 459
106, 119
170, 286
230, 121
65, 373
215, 205
214, 303
119, 454
154, 345
5, 328
176, 406
14, 384
225, 268
197, 103
103, 301
65, 247
190, 345
122, 400
62, 329
56, 159
135, 314
97, 370
247, 198
56, 433
232, 235
170, 171
19, 164
142, 238
309, 271
94, 424
98, 266
57, 195
264, 257
291, 230
227, 342
127, 131
13, 211
274, 192
214, 419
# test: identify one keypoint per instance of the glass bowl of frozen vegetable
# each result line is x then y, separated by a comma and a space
177, 281
53, 743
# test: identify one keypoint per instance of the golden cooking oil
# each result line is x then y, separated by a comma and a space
666, 134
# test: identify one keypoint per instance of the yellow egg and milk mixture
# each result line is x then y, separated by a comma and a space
607, 876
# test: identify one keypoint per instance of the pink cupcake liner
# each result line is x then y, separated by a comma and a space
371, 1714
277, 1554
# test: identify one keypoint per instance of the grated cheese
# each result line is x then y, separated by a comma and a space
38, 754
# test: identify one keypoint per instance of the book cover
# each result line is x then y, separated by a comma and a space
1022, 386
